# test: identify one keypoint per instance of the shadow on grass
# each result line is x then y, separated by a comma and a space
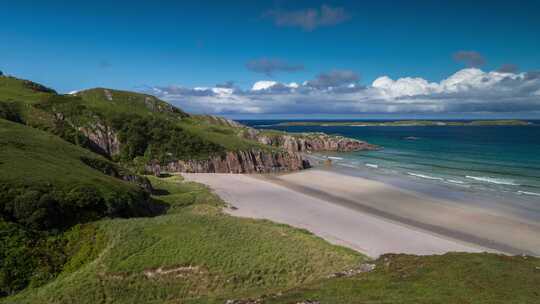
157, 207
160, 192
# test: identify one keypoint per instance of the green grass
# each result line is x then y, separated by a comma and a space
115, 101
14, 89
33, 157
226, 136
46, 186
105, 106
449, 278
142, 104
231, 257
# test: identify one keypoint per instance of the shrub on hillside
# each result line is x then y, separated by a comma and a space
10, 111
158, 138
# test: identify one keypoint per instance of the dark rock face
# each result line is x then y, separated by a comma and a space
109, 168
140, 181
103, 138
251, 161
37, 87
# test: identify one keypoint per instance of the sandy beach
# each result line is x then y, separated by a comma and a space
369, 216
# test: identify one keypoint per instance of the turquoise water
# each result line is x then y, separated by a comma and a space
501, 159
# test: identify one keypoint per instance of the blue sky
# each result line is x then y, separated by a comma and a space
72, 45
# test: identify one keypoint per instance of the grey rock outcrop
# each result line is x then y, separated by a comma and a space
250, 161
314, 142
103, 138
298, 142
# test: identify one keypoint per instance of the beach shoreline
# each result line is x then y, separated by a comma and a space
370, 216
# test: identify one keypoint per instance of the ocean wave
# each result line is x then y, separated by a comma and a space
347, 165
372, 166
454, 181
424, 176
528, 193
492, 180
335, 158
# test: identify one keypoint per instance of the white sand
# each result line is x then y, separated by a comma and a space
277, 199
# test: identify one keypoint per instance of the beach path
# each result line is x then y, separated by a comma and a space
276, 199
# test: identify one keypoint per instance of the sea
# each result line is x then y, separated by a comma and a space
496, 160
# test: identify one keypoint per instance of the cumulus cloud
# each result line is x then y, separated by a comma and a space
471, 59
469, 90
310, 18
268, 66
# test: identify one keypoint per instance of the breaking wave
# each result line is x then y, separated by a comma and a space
424, 176
528, 193
492, 180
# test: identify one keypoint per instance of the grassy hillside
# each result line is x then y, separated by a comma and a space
449, 278
114, 101
48, 185
14, 89
194, 253
146, 127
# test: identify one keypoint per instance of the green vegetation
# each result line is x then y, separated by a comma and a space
449, 278
159, 139
108, 102
206, 136
46, 186
406, 123
35, 164
194, 253
14, 89
147, 127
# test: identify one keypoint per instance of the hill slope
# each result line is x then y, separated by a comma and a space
194, 252
138, 130
48, 185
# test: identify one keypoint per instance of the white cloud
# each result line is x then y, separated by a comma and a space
263, 85
403, 86
468, 90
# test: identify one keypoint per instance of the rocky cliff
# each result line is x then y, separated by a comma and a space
313, 142
103, 139
251, 161
296, 142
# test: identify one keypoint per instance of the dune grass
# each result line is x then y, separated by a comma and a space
194, 253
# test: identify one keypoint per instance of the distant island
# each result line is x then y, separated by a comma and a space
407, 123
